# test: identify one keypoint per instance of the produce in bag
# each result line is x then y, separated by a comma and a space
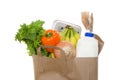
67, 47
31, 34
50, 38
69, 34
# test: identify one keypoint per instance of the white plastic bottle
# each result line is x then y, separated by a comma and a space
87, 46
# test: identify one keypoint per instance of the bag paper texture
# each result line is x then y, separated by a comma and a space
65, 69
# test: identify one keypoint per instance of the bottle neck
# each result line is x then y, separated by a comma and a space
89, 34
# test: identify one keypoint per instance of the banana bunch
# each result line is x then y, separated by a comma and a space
69, 34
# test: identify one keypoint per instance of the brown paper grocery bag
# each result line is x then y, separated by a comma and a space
66, 69
78, 69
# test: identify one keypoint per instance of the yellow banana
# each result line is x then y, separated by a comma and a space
67, 37
76, 35
51, 55
63, 33
72, 38
70, 35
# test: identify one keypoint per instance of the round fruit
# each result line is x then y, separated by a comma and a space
67, 47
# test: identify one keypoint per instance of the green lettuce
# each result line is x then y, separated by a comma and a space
31, 35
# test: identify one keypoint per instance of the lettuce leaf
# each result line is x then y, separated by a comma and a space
31, 34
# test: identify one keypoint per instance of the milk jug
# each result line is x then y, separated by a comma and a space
87, 46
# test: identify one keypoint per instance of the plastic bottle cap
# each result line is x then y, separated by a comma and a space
89, 34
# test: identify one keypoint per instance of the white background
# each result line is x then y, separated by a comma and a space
15, 64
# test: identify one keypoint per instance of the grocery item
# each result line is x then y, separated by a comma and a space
87, 20
51, 55
87, 46
69, 34
67, 47
31, 35
59, 25
50, 38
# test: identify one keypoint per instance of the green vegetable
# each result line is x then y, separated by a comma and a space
44, 52
31, 34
